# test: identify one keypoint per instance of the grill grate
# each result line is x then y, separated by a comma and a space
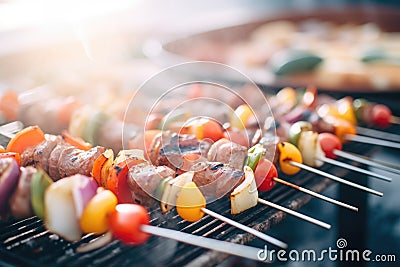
27, 242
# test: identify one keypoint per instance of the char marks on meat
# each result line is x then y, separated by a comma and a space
27, 157
73, 160
170, 149
143, 180
228, 152
43, 151
216, 179
54, 159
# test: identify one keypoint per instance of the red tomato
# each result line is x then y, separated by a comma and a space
381, 115
237, 136
204, 129
264, 174
329, 142
125, 222
212, 130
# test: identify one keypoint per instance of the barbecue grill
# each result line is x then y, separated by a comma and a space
28, 243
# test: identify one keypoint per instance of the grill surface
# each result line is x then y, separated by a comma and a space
27, 242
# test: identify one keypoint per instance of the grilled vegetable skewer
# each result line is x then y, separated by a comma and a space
266, 174
327, 145
75, 197
85, 162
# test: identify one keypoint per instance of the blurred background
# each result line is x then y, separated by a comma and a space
87, 44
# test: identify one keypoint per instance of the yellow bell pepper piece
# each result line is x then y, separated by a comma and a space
241, 116
189, 203
94, 218
289, 152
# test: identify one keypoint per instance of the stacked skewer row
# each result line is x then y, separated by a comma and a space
77, 187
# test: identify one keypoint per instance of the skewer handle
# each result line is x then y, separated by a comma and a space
295, 213
208, 243
245, 228
335, 178
315, 194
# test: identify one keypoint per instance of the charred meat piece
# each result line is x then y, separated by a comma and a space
73, 160
20, 201
172, 152
157, 143
42, 152
27, 157
216, 179
228, 152
54, 159
143, 180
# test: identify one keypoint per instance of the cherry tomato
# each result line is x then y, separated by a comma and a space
381, 115
237, 136
125, 222
94, 218
205, 129
329, 142
264, 174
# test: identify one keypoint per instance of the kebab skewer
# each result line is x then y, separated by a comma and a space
75, 205
78, 161
341, 116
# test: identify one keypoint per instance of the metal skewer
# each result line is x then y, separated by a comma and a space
394, 120
354, 168
315, 194
335, 178
295, 213
378, 134
372, 141
245, 228
366, 160
204, 242
9, 129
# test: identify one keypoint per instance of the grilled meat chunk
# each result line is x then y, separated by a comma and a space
172, 150
216, 179
73, 160
143, 180
228, 152
43, 150
54, 159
